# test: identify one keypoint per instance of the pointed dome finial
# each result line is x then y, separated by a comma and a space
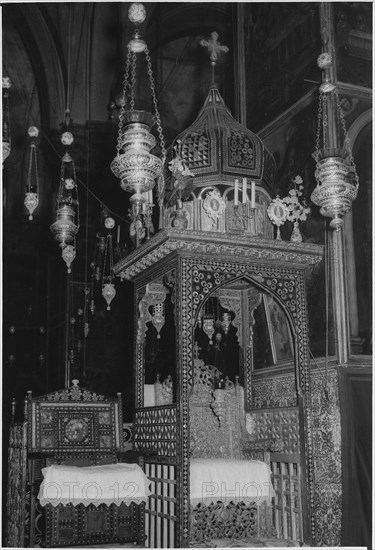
215, 48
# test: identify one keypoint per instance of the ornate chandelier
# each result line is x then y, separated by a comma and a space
31, 198
65, 228
135, 165
336, 176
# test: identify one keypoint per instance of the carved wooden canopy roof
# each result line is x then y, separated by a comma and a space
219, 149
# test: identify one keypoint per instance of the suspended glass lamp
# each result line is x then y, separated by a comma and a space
135, 165
108, 288
31, 198
336, 176
6, 123
65, 228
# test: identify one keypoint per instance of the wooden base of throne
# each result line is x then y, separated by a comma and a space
219, 520
91, 525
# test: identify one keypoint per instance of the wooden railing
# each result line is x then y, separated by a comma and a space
160, 513
287, 504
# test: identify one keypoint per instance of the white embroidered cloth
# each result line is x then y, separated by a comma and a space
213, 480
106, 484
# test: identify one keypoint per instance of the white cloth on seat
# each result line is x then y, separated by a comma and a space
105, 484
228, 480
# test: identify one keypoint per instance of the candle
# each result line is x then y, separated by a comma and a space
244, 190
150, 196
118, 234
253, 195
235, 192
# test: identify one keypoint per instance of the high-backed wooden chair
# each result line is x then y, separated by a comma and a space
75, 427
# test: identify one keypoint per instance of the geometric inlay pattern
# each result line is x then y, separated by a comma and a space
195, 150
241, 151
277, 423
156, 430
279, 391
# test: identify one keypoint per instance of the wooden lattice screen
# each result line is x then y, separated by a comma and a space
287, 508
160, 513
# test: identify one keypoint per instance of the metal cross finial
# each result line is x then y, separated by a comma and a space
215, 48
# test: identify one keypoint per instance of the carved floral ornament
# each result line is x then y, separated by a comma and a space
155, 296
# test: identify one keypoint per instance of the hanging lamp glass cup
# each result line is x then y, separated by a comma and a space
335, 189
108, 292
136, 167
31, 202
64, 229
68, 254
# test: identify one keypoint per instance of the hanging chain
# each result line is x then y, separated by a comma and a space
123, 100
61, 184
76, 192
108, 251
133, 81
346, 136
110, 257
325, 120
161, 182
105, 260
154, 100
29, 172
318, 130
36, 165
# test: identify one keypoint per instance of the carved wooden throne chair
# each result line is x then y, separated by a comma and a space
77, 432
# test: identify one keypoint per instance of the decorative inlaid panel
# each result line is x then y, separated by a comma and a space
16, 498
155, 429
211, 437
326, 436
76, 525
195, 149
232, 521
275, 392
328, 501
71, 426
281, 424
241, 150
207, 244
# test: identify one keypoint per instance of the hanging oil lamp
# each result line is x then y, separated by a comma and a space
209, 326
158, 318
135, 165
226, 321
108, 288
336, 176
31, 198
65, 227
